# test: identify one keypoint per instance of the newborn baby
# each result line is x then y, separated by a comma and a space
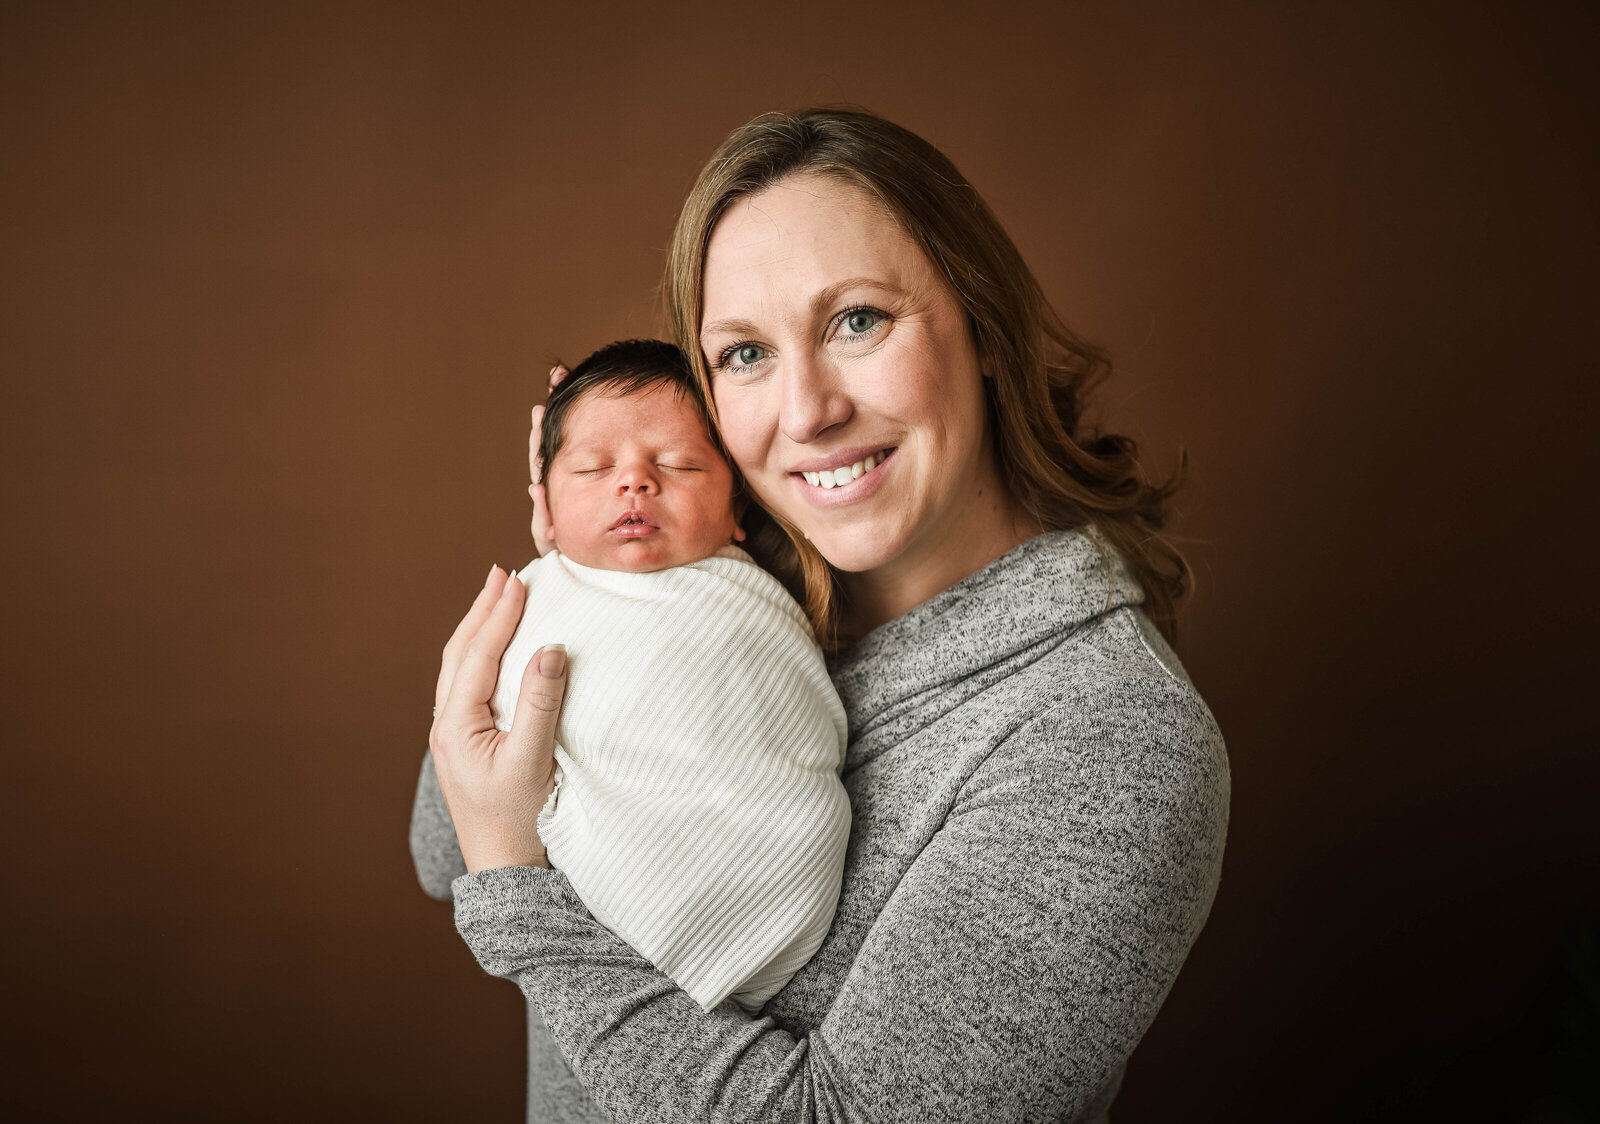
698, 810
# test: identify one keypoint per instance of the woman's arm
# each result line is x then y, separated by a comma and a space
1010, 975
434, 849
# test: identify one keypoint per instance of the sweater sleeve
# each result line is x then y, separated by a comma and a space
434, 849
1011, 973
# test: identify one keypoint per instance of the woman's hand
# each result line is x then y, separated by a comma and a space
541, 512
495, 782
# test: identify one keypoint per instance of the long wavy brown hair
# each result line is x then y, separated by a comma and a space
1061, 471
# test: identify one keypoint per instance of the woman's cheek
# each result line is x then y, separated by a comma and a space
740, 416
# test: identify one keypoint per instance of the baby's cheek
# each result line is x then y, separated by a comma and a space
722, 513
716, 516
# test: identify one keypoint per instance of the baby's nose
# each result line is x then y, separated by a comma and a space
635, 480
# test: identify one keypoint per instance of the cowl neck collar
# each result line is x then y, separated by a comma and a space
1028, 598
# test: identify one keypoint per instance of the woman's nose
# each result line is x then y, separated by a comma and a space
814, 400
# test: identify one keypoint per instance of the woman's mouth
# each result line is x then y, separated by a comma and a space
840, 475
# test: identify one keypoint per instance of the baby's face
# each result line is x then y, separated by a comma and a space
638, 485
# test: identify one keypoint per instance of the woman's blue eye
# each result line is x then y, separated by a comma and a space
748, 354
861, 320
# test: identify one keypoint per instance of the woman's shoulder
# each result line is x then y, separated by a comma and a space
1120, 651
1119, 667
1111, 707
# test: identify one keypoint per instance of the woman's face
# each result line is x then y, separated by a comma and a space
845, 380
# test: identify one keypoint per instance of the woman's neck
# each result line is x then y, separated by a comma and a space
877, 596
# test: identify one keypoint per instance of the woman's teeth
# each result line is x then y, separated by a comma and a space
834, 477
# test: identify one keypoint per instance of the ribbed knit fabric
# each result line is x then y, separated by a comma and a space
699, 813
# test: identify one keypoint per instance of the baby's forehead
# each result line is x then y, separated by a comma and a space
615, 411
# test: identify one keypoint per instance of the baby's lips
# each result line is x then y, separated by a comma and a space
637, 518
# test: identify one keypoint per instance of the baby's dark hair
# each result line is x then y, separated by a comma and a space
624, 367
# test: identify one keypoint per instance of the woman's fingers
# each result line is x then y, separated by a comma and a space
532, 739
496, 783
557, 374
479, 667
540, 524
533, 445
544, 684
456, 646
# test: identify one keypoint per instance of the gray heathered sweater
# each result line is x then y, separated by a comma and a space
1040, 799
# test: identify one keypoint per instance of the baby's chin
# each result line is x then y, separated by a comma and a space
639, 556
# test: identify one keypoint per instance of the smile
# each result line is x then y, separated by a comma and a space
845, 473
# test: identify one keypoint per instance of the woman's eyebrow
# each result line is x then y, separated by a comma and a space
824, 299
828, 297
717, 327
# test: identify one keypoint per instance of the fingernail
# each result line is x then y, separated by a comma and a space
554, 369
490, 578
553, 661
512, 577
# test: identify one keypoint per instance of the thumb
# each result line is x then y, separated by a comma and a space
533, 726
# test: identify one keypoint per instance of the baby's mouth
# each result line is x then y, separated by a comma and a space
633, 523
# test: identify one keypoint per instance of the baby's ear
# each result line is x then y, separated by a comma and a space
541, 511
738, 533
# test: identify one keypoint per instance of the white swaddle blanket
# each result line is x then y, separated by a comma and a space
698, 811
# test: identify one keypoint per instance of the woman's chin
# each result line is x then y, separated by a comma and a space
856, 550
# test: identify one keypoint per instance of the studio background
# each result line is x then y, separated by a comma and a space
281, 281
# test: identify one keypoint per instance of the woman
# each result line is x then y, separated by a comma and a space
1039, 795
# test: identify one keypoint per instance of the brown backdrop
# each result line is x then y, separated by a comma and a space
279, 285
